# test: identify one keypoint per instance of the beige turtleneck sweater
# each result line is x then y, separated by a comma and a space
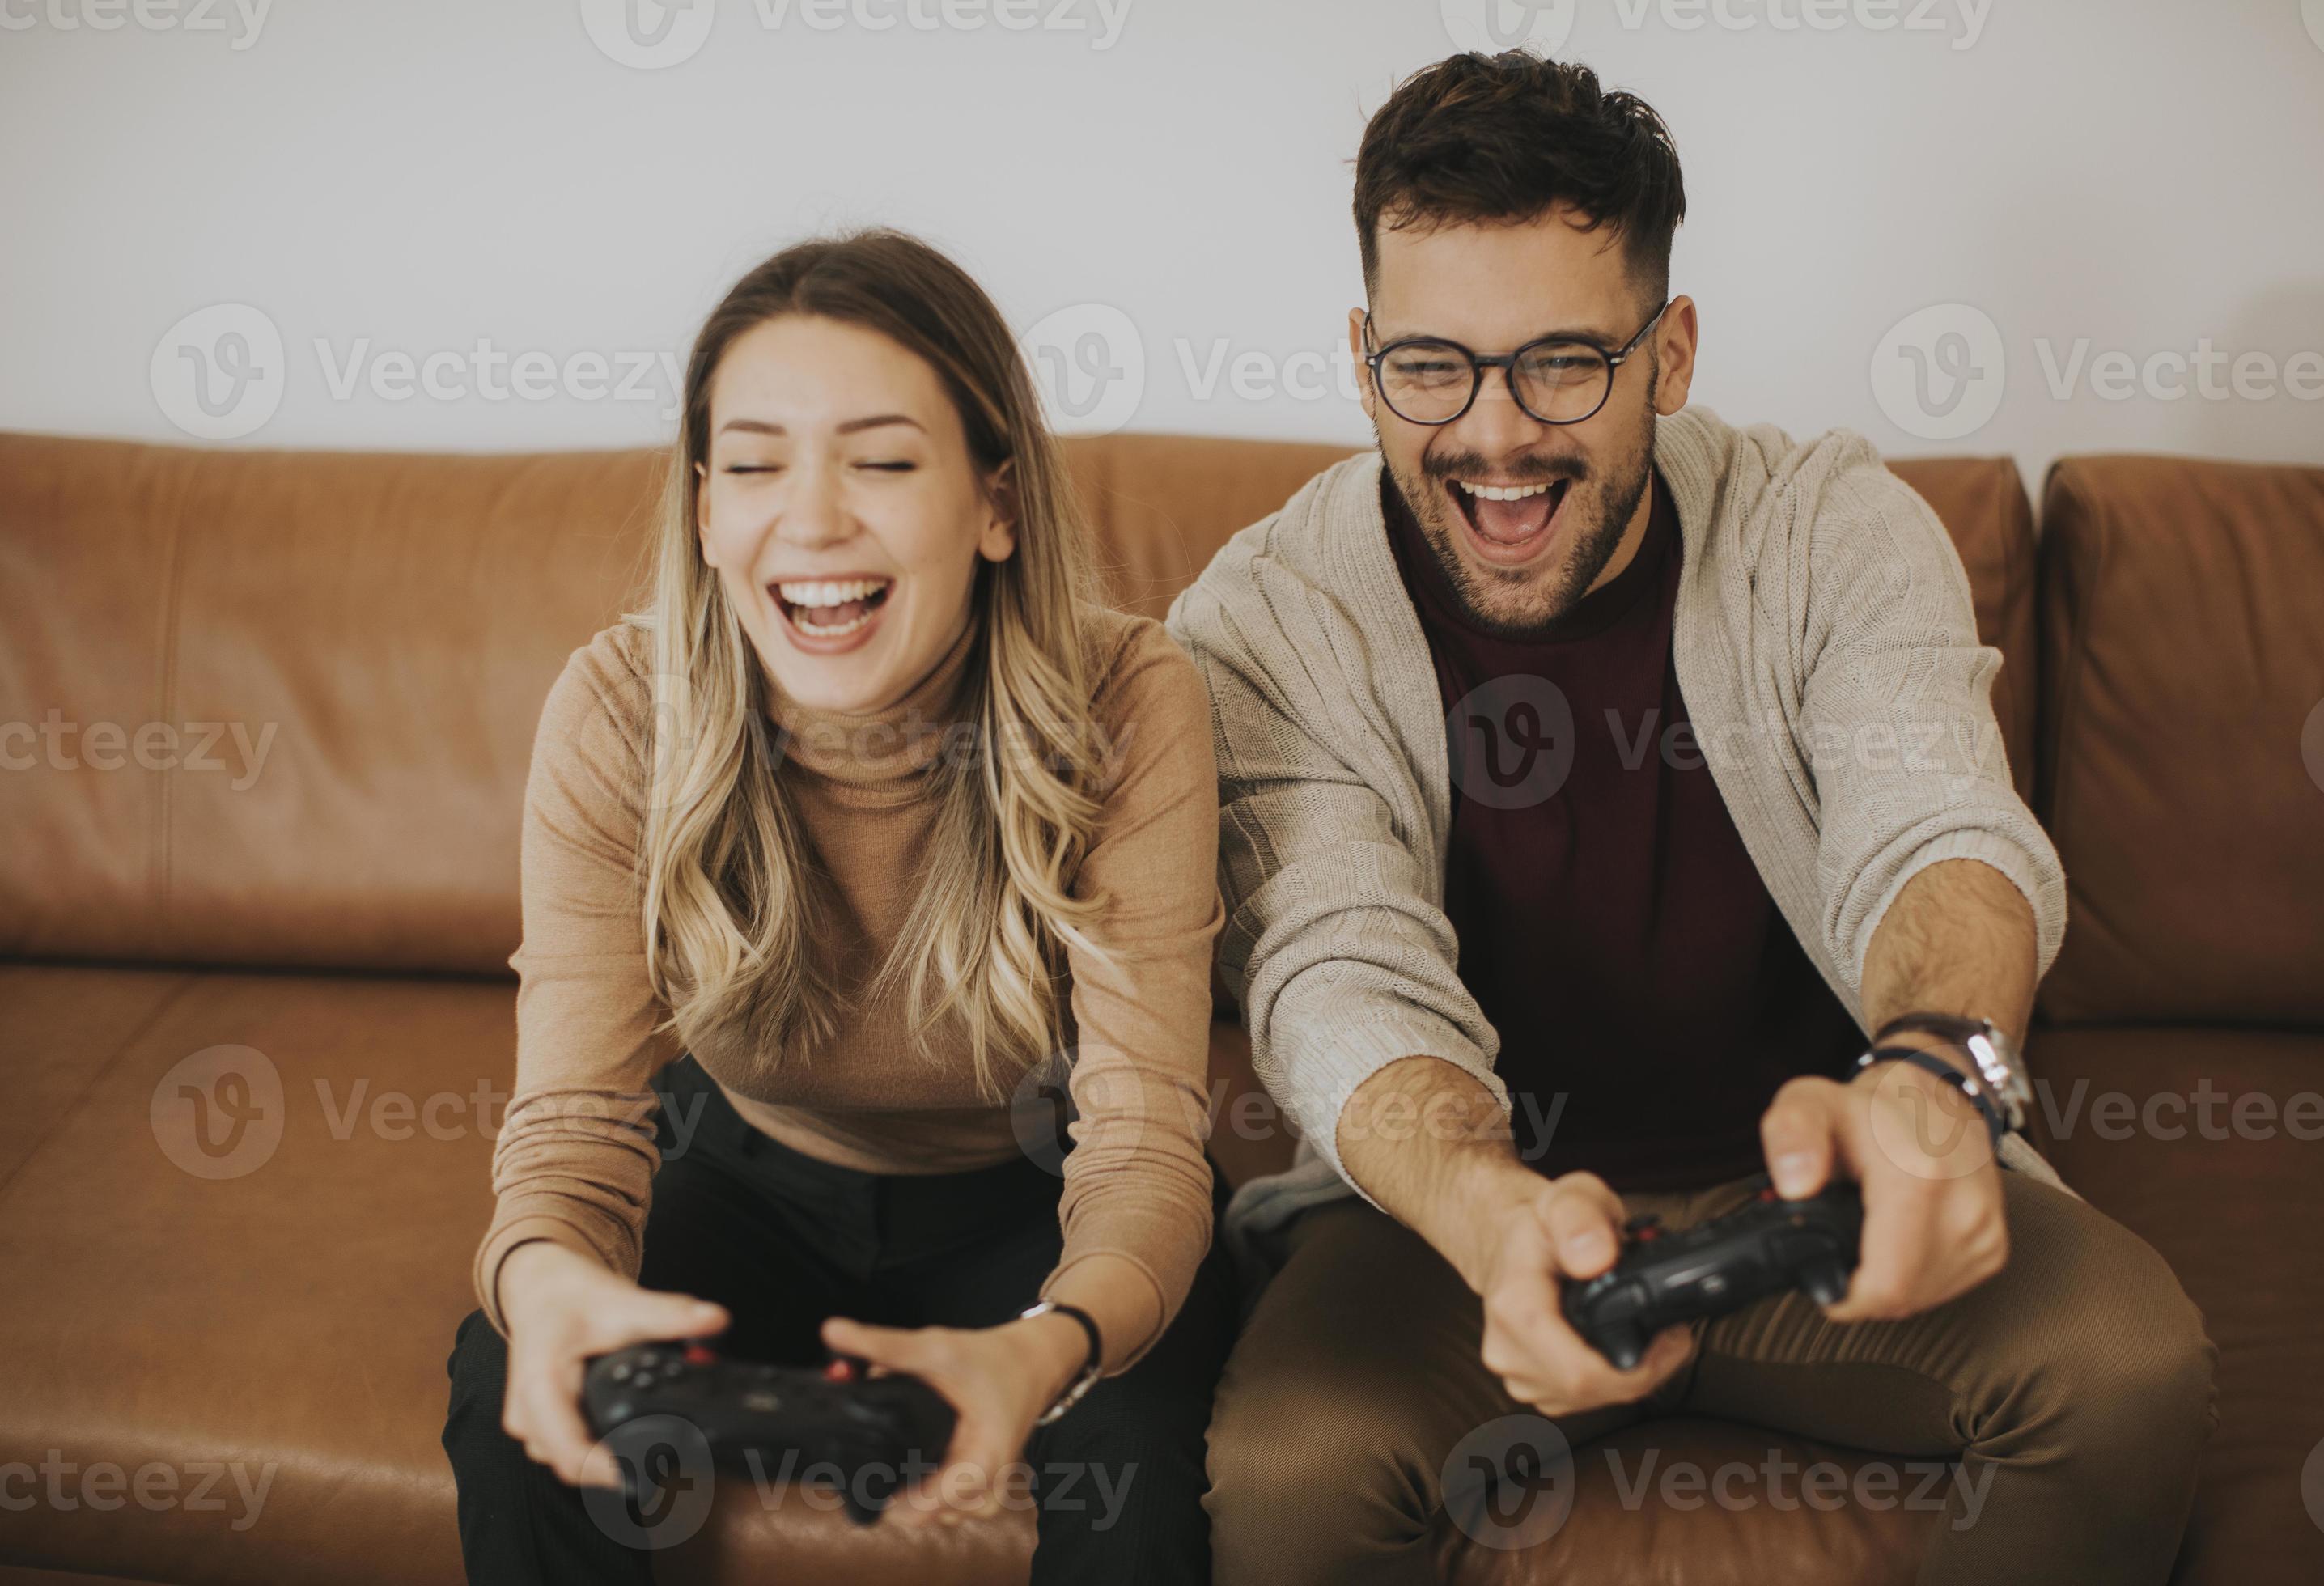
575, 1160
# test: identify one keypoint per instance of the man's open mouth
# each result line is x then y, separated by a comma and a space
831, 608
1510, 517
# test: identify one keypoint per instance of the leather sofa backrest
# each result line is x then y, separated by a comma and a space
1162, 505
1982, 502
374, 633
2183, 739
275, 707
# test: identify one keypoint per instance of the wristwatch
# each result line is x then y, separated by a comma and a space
2000, 1089
1092, 1369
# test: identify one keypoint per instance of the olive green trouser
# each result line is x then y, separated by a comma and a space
2073, 1387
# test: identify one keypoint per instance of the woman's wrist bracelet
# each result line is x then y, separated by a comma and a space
1092, 1366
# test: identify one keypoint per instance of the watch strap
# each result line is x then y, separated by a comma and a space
1990, 1051
1997, 1122
1951, 1027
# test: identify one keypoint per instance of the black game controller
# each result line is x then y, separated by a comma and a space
866, 1429
1765, 1246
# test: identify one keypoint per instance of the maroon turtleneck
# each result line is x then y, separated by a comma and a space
1649, 996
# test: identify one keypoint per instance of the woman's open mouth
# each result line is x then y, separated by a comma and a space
1509, 523
829, 614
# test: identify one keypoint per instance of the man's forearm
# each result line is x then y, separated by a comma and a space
1959, 940
1432, 1146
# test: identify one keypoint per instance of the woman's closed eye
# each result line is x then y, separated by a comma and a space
899, 466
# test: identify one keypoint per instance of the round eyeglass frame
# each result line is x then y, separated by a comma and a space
1506, 363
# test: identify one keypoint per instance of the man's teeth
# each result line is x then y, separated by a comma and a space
830, 594
1503, 492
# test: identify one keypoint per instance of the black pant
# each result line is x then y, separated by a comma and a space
783, 1242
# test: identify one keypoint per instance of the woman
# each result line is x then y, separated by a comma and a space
884, 819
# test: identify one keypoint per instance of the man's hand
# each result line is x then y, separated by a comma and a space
1919, 1151
1570, 1226
1432, 1146
1958, 938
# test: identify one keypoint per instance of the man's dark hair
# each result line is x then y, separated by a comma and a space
1507, 137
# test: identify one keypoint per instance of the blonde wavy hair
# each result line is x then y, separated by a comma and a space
733, 891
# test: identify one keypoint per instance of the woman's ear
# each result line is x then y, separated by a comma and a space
702, 513
996, 541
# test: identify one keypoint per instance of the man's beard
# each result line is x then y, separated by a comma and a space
1599, 506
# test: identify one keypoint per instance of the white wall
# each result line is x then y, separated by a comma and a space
430, 175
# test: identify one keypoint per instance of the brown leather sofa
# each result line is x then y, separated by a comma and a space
227, 1365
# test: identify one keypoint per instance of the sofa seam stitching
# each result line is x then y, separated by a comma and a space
96, 1075
172, 631
2081, 590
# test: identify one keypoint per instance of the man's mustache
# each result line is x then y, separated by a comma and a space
1520, 470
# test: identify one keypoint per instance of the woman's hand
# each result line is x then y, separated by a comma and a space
999, 1378
562, 1309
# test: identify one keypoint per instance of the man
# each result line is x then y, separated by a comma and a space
1596, 777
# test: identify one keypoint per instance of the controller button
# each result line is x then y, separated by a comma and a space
700, 1355
839, 1371
620, 1372
642, 1380
1647, 1233
1769, 1194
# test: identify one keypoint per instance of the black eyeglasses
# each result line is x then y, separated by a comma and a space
1557, 380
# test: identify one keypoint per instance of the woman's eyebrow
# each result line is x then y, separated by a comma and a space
761, 426
853, 425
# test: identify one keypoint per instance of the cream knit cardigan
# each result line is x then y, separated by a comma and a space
1829, 656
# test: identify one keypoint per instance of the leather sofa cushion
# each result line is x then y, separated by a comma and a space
64, 1026
301, 1310
298, 1307
2183, 739
298, 1311
2232, 1206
